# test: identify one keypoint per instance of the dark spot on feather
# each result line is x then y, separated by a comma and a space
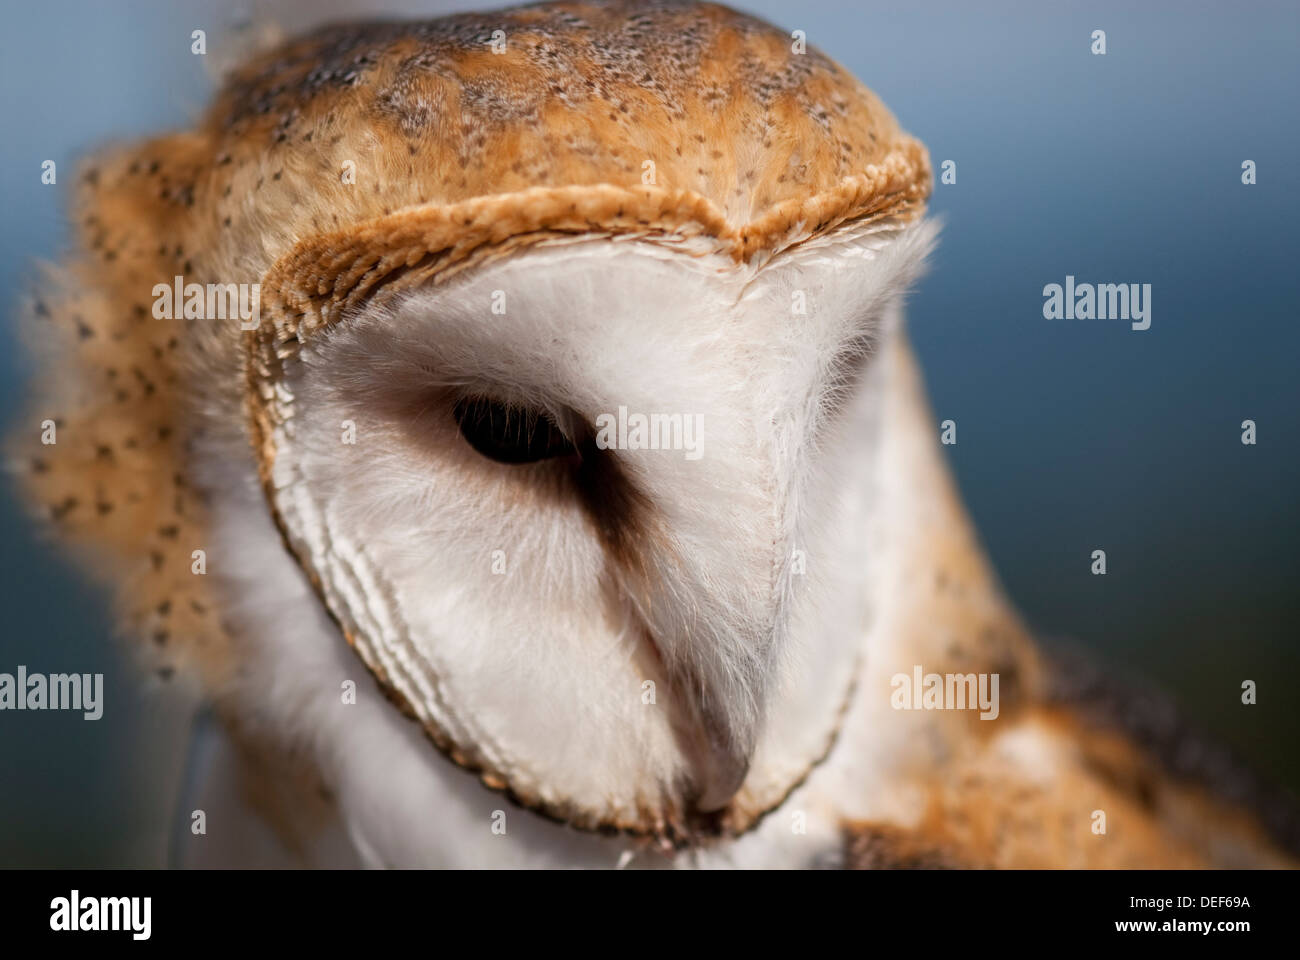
61, 510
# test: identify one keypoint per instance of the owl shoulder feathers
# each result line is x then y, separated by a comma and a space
1063, 776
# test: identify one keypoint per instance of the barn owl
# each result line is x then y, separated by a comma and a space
508, 419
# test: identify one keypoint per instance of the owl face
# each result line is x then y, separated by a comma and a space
560, 413
594, 513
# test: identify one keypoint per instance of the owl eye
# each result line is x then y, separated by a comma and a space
509, 434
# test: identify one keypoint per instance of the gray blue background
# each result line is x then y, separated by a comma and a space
1073, 435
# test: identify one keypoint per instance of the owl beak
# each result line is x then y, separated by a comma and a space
718, 740
721, 767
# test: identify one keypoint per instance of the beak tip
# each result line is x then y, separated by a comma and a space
722, 778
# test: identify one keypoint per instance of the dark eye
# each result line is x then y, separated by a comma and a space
509, 434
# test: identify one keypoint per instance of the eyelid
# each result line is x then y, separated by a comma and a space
571, 424
510, 432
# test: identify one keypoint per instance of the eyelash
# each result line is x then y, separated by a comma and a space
509, 433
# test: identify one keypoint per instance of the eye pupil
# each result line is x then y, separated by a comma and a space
509, 434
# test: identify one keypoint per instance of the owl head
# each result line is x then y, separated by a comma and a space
551, 400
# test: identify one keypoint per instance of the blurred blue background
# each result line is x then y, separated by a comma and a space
1073, 435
